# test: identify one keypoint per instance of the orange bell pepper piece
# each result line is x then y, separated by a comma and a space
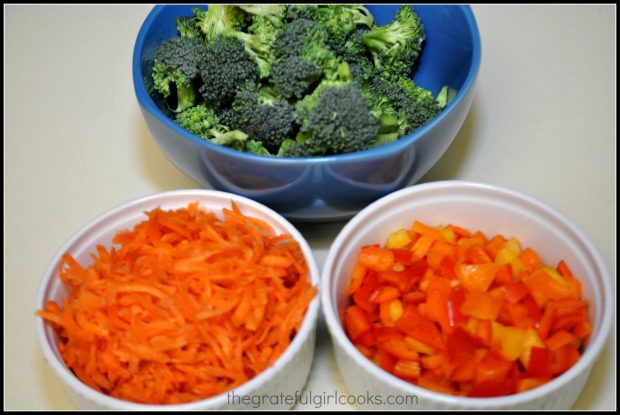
481, 305
376, 258
476, 277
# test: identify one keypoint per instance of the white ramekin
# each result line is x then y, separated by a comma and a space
475, 206
286, 377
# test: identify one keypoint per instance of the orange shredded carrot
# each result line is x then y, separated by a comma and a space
186, 306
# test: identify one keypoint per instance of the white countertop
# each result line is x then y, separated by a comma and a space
542, 122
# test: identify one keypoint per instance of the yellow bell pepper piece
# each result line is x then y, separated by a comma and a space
398, 239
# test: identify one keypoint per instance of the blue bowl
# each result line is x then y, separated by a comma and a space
331, 187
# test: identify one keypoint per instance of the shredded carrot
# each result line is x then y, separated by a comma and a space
456, 312
185, 306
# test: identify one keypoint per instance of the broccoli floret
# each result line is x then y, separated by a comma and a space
175, 70
254, 25
227, 67
341, 121
219, 19
255, 147
203, 121
302, 57
263, 117
355, 53
412, 105
274, 13
292, 77
223, 136
338, 21
186, 26
198, 120
336, 118
396, 46
258, 43
294, 148
446, 95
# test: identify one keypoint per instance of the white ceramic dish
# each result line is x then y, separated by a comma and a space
287, 375
493, 210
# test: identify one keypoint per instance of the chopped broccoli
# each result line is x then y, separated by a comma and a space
446, 95
198, 120
341, 121
355, 53
293, 76
302, 57
223, 136
274, 13
263, 117
186, 26
412, 105
255, 147
175, 70
338, 21
336, 117
294, 148
254, 25
227, 67
295, 80
258, 43
396, 46
219, 19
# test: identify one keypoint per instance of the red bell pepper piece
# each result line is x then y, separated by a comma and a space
540, 363
402, 256
488, 388
420, 327
455, 301
362, 298
514, 291
356, 322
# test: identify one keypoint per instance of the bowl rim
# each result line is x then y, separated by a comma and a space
187, 195
341, 340
148, 105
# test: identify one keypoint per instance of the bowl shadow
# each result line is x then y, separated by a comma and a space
154, 165
449, 165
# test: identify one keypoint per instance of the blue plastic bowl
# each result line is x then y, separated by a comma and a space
331, 187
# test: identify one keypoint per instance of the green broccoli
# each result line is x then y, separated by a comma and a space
263, 117
341, 121
294, 148
258, 43
186, 26
341, 22
336, 117
223, 136
227, 68
255, 147
198, 120
203, 121
338, 21
446, 95
295, 80
274, 13
254, 25
176, 70
219, 19
412, 105
293, 76
302, 58
396, 46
